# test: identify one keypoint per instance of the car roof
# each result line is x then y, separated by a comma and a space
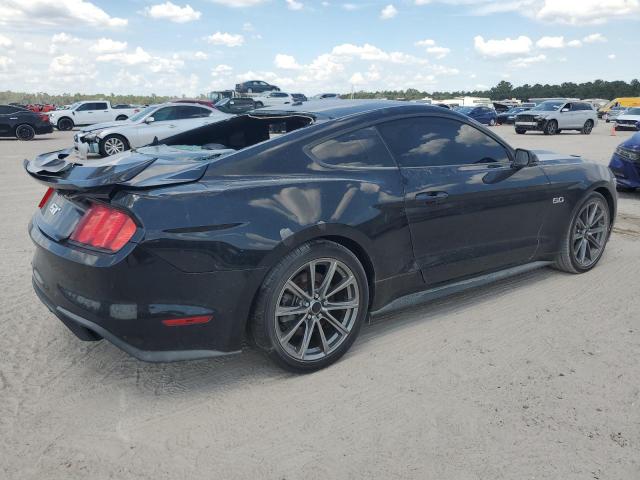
334, 109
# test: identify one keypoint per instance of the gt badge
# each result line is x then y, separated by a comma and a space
558, 200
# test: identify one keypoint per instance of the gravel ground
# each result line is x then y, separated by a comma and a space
532, 377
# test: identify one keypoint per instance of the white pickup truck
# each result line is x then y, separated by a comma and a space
88, 113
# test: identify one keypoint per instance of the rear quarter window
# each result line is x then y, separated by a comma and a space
359, 149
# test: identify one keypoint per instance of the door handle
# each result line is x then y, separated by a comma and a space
431, 197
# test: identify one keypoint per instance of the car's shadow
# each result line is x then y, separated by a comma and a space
105, 364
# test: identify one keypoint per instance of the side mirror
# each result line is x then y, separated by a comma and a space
149, 120
523, 158
564, 110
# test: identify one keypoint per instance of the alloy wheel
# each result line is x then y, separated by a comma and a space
317, 308
25, 132
588, 126
113, 145
590, 233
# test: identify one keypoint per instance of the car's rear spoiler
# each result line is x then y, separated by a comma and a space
62, 170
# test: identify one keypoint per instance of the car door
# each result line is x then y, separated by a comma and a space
84, 114
102, 113
566, 117
190, 116
164, 124
469, 210
7, 120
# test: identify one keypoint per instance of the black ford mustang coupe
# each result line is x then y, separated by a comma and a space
287, 228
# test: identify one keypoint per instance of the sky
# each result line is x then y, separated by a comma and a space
312, 46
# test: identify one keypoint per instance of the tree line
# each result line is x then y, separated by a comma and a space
505, 90
24, 98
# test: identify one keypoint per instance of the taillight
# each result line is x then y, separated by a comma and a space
44, 117
46, 197
104, 227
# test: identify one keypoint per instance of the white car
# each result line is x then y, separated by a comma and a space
156, 121
89, 113
273, 99
629, 119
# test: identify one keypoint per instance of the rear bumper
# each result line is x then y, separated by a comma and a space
44, 129
125, 302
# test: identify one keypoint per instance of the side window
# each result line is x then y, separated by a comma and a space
84, 107
167, 113
5, 110
434, 141
362, 148
100, 106
568, 106
193, 112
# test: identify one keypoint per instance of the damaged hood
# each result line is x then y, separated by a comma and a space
145, 167
102, 126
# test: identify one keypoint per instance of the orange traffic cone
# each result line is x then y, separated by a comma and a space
613, 131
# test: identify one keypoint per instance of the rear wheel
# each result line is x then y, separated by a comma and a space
311, 306
586, 237
259, 104
551, 128
25, 132
520, 131
112, 145
65, 124
587, 127
492, 122
121, 117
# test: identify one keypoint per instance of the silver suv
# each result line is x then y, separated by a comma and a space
553, 116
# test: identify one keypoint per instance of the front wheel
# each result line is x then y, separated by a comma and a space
25, 132
584, 241
259, 104
121, 117
520, 131
112, 145
551, 128
311, 306
492, 122
587, 127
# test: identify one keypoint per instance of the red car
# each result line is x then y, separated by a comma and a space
201, 101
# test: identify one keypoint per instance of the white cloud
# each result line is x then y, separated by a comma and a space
5, 62
524, 62
357, 79
294, 5
107, 45
550, 42
498, 48
388, 12
611, 56
286, 62
239, 3
5, 42
57, 12
425, 43
595, 38
226, 39
574, 43
200, 56
584, 12
139, 56
439, 52
64, 38
221, 70
172, 12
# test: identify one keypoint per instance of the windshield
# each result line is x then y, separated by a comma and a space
549, 106
74, 105
632, 111
142, 113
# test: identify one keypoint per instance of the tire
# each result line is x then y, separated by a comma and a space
283, 336
587, 127
259, 104
65, 124
520, 131
25, 132
572, 249
112, 145
551, 127
121, 117
492, 122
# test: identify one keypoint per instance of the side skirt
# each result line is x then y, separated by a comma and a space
455, 287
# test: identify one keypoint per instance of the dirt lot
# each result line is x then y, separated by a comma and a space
533, 377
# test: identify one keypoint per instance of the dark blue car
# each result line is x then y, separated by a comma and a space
484, 115
625, 163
